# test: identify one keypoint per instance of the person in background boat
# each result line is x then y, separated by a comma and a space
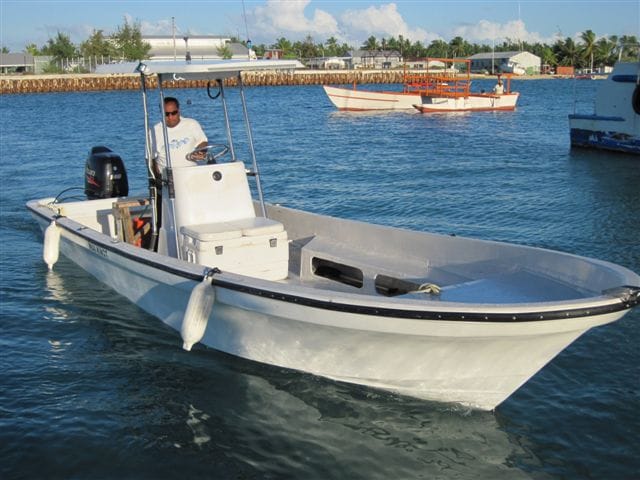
185, 135
499, 88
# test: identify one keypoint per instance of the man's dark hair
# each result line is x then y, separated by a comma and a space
172, 100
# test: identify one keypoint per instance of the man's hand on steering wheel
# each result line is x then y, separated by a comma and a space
209, 152
197, 154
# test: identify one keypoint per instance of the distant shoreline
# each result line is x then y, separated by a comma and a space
88, 82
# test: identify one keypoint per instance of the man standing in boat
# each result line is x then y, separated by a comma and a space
185, 135
499, 88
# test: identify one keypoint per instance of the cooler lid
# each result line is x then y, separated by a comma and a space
211, 232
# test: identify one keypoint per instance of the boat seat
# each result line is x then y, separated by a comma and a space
256, 226
252, 246
244, 227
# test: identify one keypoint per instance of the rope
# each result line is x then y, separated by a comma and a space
430, 288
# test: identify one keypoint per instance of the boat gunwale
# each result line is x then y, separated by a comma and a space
607, 303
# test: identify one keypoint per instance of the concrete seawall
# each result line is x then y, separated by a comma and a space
19, 84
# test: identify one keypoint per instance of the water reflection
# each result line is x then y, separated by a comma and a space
290, 424
55, 298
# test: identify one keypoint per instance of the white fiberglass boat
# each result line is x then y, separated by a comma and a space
445, 86
431, 316
615, 123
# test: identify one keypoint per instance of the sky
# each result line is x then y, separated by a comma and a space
23, 22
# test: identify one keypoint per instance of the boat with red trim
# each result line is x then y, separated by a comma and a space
443, 86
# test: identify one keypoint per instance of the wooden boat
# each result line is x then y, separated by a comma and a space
444, 86
359, 100
615, 123
431, 316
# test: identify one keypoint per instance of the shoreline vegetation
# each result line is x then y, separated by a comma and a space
89, 82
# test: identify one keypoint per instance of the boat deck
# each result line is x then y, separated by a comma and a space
319, 257
352, 271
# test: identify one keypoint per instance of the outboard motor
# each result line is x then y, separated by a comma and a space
104, 175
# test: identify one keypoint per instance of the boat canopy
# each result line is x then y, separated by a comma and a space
443, 78
170, 71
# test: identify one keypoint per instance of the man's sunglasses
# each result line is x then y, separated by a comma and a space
170, 114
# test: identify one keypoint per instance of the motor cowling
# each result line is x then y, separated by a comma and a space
104, 174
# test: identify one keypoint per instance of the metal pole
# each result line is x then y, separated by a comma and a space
153, 189
493, 55
169, 173
251, 149
226, 120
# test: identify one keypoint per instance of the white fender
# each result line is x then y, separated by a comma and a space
51, 248
200, 305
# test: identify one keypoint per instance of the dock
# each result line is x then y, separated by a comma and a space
88, 82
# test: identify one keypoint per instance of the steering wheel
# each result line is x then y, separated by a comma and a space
210, 153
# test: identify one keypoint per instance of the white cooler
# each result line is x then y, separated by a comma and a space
255, 246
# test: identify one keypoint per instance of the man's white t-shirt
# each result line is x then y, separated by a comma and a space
183, 138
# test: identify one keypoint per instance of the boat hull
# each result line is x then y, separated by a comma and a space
364, 100
615, 123
472, 103
604, 133
438, 352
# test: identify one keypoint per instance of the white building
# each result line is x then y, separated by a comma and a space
507, 62
199, 47
374, 59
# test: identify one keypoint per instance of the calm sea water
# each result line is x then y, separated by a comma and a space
92, 387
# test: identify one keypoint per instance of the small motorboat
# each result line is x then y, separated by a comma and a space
444, 86
431, 316
615, 123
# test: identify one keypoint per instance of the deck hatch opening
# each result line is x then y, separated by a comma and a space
391, 286
337, 272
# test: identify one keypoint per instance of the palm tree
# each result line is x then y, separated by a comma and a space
32, 48
371, 44
331, 46
605, 51
589, 45
438, 49
457, 47
548, 57
567, 52
630, 49
307, 48
284, 45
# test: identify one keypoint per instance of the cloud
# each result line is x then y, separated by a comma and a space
485, 31
383, 21
285, 17
161, 27
77, 33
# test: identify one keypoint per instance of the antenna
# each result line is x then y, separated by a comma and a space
246, 29
173, 29
519, 22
